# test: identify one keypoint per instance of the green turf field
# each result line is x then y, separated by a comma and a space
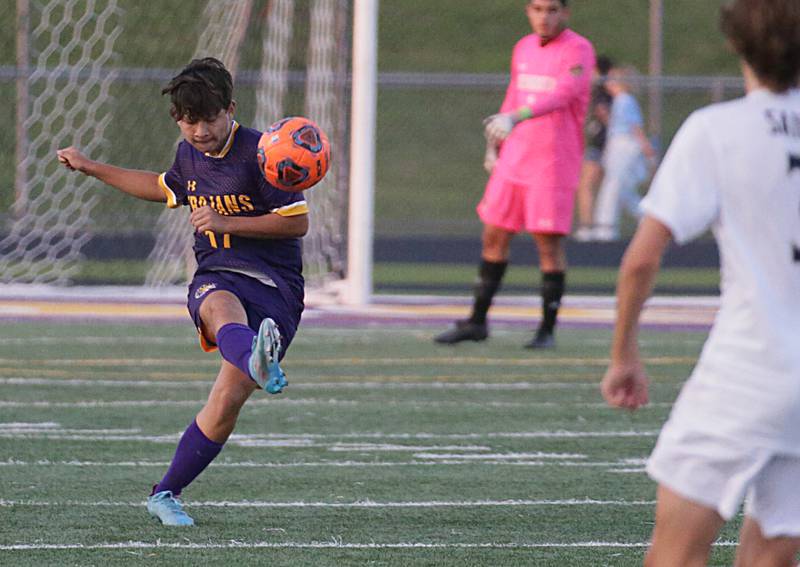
385, 450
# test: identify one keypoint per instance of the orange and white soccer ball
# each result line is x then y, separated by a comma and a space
294, 154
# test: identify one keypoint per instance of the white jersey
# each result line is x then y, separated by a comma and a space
735, 167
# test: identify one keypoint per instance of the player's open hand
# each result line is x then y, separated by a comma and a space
497, 127
73, 159
205, 218
625, 386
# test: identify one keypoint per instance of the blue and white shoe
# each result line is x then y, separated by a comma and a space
263, 363
167, 508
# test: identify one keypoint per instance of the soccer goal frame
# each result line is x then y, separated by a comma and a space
43, 250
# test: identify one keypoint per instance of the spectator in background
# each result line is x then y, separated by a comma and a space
592, 168
539, 130
628, 155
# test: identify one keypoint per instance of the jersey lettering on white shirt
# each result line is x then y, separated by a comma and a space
735, 168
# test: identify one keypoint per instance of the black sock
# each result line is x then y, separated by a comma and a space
489, 277
552, 290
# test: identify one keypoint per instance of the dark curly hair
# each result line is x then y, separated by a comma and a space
200, 91
766, 34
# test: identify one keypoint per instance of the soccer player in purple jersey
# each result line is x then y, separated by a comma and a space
246, 296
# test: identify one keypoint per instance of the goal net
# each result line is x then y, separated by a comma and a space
63, 98
89, 73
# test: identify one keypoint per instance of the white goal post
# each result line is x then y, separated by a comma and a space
362, 152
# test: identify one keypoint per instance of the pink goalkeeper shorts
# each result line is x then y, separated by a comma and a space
516, 207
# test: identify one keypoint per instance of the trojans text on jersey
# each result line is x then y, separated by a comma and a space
223, 204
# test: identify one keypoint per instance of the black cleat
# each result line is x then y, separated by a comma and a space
542, 340
463, 331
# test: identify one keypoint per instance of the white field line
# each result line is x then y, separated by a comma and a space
361, 447
90, 340
490, 435
36, 432
29, 425
372, 385
89, 404
309, 336
134, 545
306, 441
316, 464
327, 363
111, 435
48, 427
306, 376
355, 504
498, 456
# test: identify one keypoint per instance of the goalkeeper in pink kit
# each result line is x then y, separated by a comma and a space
534, 152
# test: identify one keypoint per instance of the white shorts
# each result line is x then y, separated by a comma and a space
718, 473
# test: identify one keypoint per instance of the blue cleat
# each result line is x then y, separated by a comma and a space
167, 508
263, 363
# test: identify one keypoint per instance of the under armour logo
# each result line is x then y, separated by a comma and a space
794, 162
191, 185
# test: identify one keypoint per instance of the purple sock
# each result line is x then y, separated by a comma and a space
235, 342
194, 453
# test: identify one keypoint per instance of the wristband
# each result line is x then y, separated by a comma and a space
523, 113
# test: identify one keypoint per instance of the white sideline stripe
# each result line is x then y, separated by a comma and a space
48, 428
88, 404
38, 425
253, 441
10, 432
366, 447
499, 456
356, 504
112, 435
335, 545
326, 463
513, 386
310, 336
89, 340
331, 362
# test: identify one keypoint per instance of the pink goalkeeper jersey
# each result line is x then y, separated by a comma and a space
554, 80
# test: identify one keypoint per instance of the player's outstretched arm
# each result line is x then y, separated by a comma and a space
141, 184
625, 382
271, 225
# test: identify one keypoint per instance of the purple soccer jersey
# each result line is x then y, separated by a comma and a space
232, 184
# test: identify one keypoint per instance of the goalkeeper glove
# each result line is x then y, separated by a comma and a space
490, 157
497, 127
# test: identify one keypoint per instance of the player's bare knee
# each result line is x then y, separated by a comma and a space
494, 249
219, 308
229, 397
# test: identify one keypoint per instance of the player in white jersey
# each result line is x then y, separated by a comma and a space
734, 431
